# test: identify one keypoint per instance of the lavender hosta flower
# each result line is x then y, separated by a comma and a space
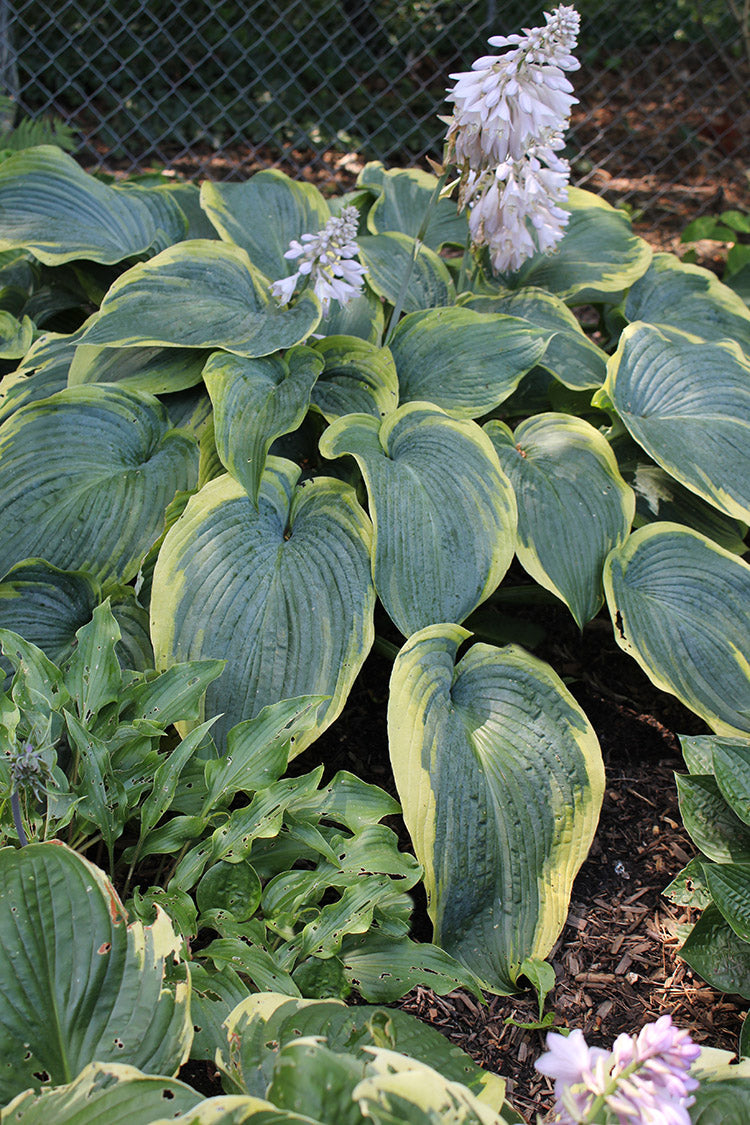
506, 101
327, 259
644, 1080
516, 210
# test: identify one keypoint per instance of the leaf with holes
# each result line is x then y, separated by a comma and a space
77, 984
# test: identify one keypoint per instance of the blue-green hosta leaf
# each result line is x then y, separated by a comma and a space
658, 496
263, 215
77, 983
46, 605
85, 477
170, 222
201, 294
680, 606
49, 205
156, 371
362, 317
687, 402
16, 336
501, 781
255, 401
403, 202
358, 378
103, 1092
714, 951
571, 356
573, 505
725, 1101
388, 258
729, 884
690, 298
283, 593
713, 826
443, 510
42, 372
596, 260
465, 362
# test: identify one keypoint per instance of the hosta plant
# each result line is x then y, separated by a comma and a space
269, 420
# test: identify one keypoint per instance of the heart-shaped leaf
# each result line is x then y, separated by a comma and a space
680, 606
501, 781
77, 983
85, 477
264, 214
405, 196
465, 362
428, 471
390, 257
358, 378
687, 402
201, 294
255, 401
573, 505
284, 593
156, 371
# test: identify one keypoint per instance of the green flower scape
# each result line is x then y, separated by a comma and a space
206, 498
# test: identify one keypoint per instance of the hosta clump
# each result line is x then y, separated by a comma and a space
715, 806
323, 464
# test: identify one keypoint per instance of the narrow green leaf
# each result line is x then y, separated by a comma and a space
715, 952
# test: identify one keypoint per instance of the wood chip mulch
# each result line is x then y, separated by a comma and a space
616, 961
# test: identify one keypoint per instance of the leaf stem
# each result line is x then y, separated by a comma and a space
15, 805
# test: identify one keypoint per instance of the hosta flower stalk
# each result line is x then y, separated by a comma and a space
510, 113
327, 261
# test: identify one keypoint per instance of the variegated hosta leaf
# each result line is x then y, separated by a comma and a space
170, 223
362, 317
573, 505
48, 606
48, 204
405, 196
389, 257
282, 592
201, 294
358, 378
16, 336
465, 362
690, 298
658, 496
156, 371
111, 1092
570, 356
85, 477
77, 983
596, 260
255, 401
443, 510
681, 608
501, 781
263, 215
42, 372
687, 402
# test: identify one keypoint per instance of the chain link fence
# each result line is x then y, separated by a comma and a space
220, 89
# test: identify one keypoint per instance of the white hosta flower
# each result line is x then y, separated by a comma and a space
516, 209
327, 259
506, 101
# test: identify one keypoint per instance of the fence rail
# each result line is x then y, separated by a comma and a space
318, 86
